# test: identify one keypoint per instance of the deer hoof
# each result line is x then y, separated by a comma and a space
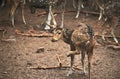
83, 73
70, 72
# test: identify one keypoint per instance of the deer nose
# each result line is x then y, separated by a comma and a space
53, 40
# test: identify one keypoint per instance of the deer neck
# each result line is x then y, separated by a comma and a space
66, 36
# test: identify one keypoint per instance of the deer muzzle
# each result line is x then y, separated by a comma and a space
53, 40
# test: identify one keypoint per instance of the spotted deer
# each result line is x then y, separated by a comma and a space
49, 4
81, 40
15, 4
112, 14
101, 5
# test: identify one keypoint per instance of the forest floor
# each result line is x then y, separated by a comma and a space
19, 59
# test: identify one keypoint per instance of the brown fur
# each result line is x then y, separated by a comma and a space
81, 39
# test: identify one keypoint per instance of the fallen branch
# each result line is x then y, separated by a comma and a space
36, 35
8, 40
53, 67
114, 47
48, 68
58, 12
41, 34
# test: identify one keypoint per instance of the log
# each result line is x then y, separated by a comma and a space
58, 12
54, 67
34, 34
114, 47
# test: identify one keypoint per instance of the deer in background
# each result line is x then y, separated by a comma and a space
49, 5
101, 5
15, 4
112, 14
81, 40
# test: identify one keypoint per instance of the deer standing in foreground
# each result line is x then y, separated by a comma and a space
80, 40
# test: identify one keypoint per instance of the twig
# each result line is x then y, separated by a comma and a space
36, 35
114, 47
42, 34
60, 63
54, 67
51, 67
8, 40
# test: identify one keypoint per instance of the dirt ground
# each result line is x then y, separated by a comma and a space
19, 60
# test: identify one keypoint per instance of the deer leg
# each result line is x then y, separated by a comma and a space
62, 15
12, 14
3, 3
23, 17
82, 60
112, 33
82, 5
101, 14
115, 21
48, 18
24, 1
78, 9
71, 66
53, 20
90, 54
74, 4
103, 33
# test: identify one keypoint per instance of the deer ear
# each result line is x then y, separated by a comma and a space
60, 27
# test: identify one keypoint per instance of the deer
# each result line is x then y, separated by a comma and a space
49, 4
112, 15
102, 4
78, 4
81, 41
15, 4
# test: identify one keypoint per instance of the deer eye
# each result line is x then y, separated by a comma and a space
79, 25
59, 32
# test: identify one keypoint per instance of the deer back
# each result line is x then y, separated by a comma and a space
83, 35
